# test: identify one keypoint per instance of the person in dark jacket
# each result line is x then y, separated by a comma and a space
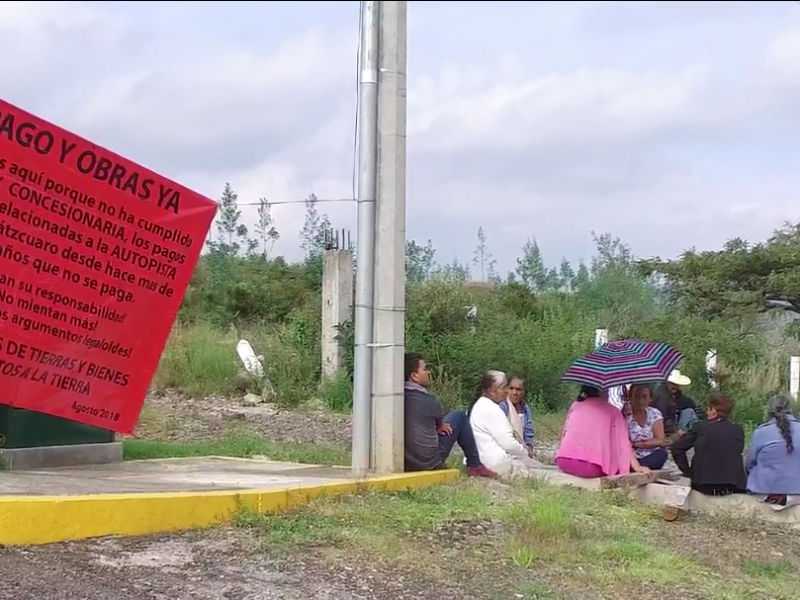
678, 409
430, 434
717, 468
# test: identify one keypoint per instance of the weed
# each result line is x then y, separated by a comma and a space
236, 445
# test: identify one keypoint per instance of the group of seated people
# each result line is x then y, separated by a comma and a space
601, 439
495, 434
606, 438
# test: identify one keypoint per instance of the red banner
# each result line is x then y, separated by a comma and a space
96, 253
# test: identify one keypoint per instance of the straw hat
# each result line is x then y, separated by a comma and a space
678, 378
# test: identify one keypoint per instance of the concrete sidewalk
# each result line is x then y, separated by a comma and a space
170, 475
159, 496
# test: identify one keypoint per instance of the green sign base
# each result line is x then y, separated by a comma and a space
27, 429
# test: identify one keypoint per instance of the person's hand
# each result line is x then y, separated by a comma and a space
445, 429
643, 470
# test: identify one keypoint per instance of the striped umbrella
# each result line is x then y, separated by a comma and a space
626, 361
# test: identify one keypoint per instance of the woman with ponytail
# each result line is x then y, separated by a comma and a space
773, 461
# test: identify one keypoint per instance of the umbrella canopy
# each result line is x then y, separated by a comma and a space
627, 361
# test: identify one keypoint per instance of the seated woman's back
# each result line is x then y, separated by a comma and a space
717, 467
595, 432
773, 461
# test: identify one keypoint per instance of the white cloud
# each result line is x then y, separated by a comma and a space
783, 58
565, 109
672, 124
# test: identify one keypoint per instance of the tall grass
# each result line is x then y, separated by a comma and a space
201, 358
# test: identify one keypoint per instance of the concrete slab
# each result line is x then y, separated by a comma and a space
553, 475
61, 456
160, 496
679, 493
170, 475
738, 506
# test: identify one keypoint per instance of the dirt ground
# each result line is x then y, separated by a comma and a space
224, 564
233, 563
173, 416
219, 565
176, 417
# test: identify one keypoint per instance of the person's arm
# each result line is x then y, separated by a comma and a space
434, 409
752, 452
528, 436
498, 426
741, 439
679, 449
662, 402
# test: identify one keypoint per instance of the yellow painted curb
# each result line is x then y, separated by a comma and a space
33, 520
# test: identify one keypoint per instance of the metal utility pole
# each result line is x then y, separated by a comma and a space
390, 249
365, 250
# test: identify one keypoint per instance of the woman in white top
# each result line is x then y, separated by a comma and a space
498, 447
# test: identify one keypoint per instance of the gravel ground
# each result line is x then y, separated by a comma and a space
217, 565
174, 416
223, 564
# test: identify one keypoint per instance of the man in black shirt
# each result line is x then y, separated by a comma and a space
678, 409
430, 434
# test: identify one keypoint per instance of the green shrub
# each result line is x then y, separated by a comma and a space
533, 328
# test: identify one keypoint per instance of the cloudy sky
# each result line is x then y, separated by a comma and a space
670, 124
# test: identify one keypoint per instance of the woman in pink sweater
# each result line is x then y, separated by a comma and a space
595, 440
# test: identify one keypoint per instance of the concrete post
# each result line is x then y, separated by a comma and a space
337, 307
794, 376
390, 221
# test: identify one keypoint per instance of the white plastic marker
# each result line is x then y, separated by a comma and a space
600, 337
711, 368
794, 376
252, 364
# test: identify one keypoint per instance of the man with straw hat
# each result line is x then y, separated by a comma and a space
678, 409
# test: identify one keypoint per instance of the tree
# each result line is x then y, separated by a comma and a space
582, 276
739, 279
531, 268
455, 271
313, 233
265, 227
566, 275
483, 259
231, 232
419, 260
613, 288
611, 253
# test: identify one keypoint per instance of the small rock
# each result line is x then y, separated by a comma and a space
251, 400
